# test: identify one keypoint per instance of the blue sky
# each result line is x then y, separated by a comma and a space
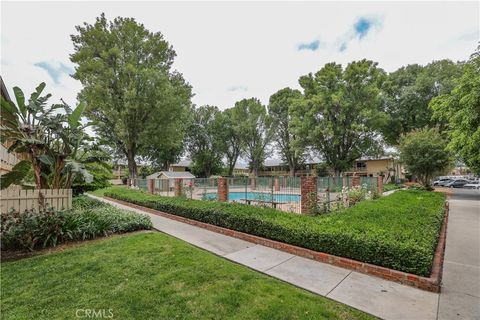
229, 51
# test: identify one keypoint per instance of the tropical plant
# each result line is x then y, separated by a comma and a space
52, 138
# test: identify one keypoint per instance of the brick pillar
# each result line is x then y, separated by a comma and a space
356, 181
308, 193
253, 183
222, 189
277, 184
380, 184
178, 187
150, 185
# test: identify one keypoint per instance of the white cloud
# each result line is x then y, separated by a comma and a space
252, 45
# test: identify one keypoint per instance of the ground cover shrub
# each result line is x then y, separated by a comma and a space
399, 231
392, 186
87, 219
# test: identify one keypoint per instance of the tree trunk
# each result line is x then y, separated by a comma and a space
132, 165
292, 171
255, 171
40, 181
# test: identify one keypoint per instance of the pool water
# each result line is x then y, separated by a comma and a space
237, 196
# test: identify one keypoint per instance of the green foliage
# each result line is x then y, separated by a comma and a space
408, 92
30, 229
154, 276
255, 127
322, 170
424, 154
392, 186
290, 146
341, 115
399, 231
137, 103
17, 175
52, 140
88, 219
229, 126
203, 141
461, 110
101, 173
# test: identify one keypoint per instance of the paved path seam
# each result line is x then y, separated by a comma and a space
338, 283
279, 264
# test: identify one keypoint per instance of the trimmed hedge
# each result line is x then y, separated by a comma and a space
399, 231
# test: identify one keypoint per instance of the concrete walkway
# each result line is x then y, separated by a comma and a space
460, 297
384, 299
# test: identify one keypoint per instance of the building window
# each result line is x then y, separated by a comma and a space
361, 166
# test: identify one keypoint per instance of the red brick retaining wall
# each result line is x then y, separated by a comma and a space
432, 283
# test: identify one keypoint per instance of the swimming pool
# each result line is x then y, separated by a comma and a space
237, 196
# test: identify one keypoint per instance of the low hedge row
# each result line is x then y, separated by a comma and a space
399, 231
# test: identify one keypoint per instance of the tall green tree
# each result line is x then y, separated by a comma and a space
289, 145
255, 127
203, 142
231, 139
131, 92
423, 151
341, 114
408, 91
461, 110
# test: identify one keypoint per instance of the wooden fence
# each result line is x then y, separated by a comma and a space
21, 200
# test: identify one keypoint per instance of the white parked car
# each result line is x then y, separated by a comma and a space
472, 185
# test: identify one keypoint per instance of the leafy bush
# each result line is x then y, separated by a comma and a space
399, 231
102, 174
88, 219
392, 186
29, 228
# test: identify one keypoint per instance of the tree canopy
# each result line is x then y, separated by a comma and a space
424, 153
408, 91
290, 146
341, 115
232, 142
255, 127
131, 92
203, 142
461, 110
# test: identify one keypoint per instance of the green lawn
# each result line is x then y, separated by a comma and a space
152, 276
